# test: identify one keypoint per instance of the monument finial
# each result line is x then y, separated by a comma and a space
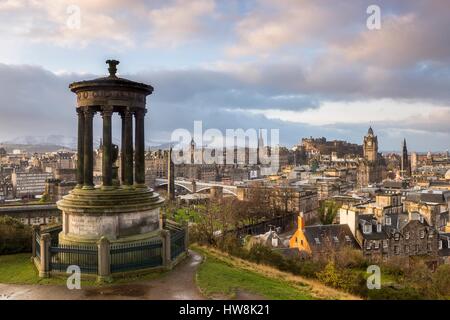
112, 67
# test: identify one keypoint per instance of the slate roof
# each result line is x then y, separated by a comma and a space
394, 184
435, 196
327, 235
398, 222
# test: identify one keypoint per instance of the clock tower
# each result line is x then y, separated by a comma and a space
371, 168
370, 146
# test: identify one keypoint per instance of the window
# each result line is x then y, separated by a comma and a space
396, 249
407, 235
440, 244
317, 241
335, 239
376, 244
397, 236
429, 246
367, 228
406, 249
422, 234
347, 238
385, 243
378, 227
388, 221
368, 245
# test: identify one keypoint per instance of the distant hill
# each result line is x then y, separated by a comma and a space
32, 148
55, 140
54, 143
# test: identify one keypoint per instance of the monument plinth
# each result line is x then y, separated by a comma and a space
122, 209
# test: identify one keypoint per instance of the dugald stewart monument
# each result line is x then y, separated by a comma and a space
124, 211
119, 222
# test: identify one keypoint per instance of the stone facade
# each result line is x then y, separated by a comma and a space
157, 167
383, 239
111, 226
288, 199
431, 204
29, 183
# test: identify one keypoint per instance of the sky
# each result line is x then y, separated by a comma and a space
307, 68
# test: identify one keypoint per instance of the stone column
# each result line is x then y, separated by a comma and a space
44, 270
139, 140
80, 151
104, 260
122, 150
128, 147
88, 150
107, 147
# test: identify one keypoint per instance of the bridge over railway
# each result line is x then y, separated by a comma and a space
197, 186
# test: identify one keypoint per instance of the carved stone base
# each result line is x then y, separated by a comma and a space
117, 214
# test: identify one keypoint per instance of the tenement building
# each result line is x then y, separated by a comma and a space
291, 199
29, 184
392, 233
433, 205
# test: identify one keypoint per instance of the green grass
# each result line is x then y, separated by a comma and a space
216, 277
18, 269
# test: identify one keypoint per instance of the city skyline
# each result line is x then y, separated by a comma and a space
236, 151
252, 64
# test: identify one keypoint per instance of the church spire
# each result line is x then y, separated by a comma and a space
405, 168
259, 147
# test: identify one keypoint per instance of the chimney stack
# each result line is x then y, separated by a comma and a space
301, 221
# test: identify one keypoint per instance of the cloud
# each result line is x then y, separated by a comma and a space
178, 22
115, 24
409, 36
37, 102
223, 89
264, 63
273, 25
